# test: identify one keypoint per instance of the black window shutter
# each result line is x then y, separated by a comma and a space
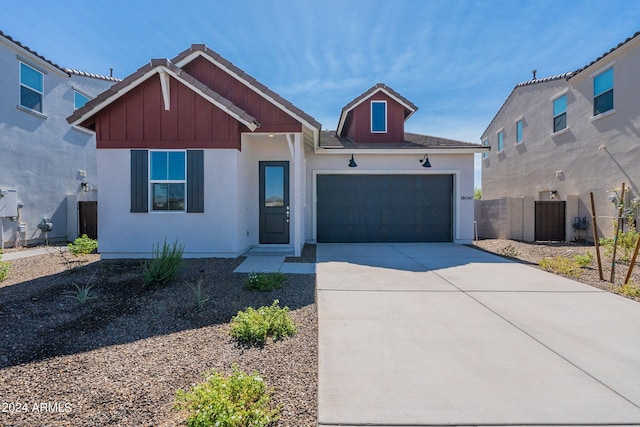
195, 180
139, 181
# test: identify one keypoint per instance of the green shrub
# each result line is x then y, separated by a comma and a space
164, 265
508, 251
239, 400
197, 293
254, 326
626, 243
584, 260
82, 293
264, 282
561, 265
628, 289
83, 245
4, 268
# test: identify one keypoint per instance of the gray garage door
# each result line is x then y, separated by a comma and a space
384, 208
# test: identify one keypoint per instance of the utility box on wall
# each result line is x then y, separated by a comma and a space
8, 203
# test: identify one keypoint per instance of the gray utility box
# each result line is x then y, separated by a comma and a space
8, 203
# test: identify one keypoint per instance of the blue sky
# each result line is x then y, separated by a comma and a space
456, 60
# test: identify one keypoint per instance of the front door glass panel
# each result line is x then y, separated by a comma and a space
274, 186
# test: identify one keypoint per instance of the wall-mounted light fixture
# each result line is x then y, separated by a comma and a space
352, 163
553, 194
425, 161
85, 187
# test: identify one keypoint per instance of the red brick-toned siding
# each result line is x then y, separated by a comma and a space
138, 120
359, 127
270, 117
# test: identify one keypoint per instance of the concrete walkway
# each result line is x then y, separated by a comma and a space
268, 260
443, 334
30, 252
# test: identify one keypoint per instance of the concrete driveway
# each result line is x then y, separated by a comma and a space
443, 334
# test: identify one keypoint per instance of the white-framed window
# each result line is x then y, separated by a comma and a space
500, 140
79, 99
31, 88
485, 143
559, 113
603, 92
378, 116
167, 180
519, 131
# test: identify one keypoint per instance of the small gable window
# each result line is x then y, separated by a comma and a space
500, 141
486, 144
378, 116
79, 99
560, 113
603, 92
31, 88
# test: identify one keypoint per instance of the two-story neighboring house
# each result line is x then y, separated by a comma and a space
194, 149
45, 163
555, 140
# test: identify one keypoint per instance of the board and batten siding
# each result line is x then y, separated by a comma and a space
270, 117
359, 125
139, 120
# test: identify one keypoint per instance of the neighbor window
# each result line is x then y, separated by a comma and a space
486, 144
560, 113
603, 92
79, 99
519, 131
31, 88
167, 180
500, 141
378, 116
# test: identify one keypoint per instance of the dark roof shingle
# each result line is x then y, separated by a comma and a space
330, 140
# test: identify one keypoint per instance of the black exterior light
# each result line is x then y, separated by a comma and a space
352, 163
425, 162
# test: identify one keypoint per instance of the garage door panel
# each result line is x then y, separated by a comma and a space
328, 216
365, 216
384, 208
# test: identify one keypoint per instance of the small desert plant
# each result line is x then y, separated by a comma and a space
628, 289
584, 260
238, 400
254, 326
82, 293
4, 268
264, 281
508, 251
626, 243
197, 293
164, 265
83, 245
561, 265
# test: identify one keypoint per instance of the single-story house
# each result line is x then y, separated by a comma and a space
196, 150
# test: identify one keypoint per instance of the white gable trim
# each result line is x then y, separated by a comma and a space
163, 73
343, 116
193, 55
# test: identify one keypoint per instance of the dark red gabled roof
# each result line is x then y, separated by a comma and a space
410, 108
240, 73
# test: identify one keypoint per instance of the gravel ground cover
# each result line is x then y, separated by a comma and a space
533, 252
118, 359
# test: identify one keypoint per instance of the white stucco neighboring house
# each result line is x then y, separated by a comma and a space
196, 150
559, 138
46, 164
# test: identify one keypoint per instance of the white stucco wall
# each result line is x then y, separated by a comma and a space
459, 165
131, 235
594, 154
41, 154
